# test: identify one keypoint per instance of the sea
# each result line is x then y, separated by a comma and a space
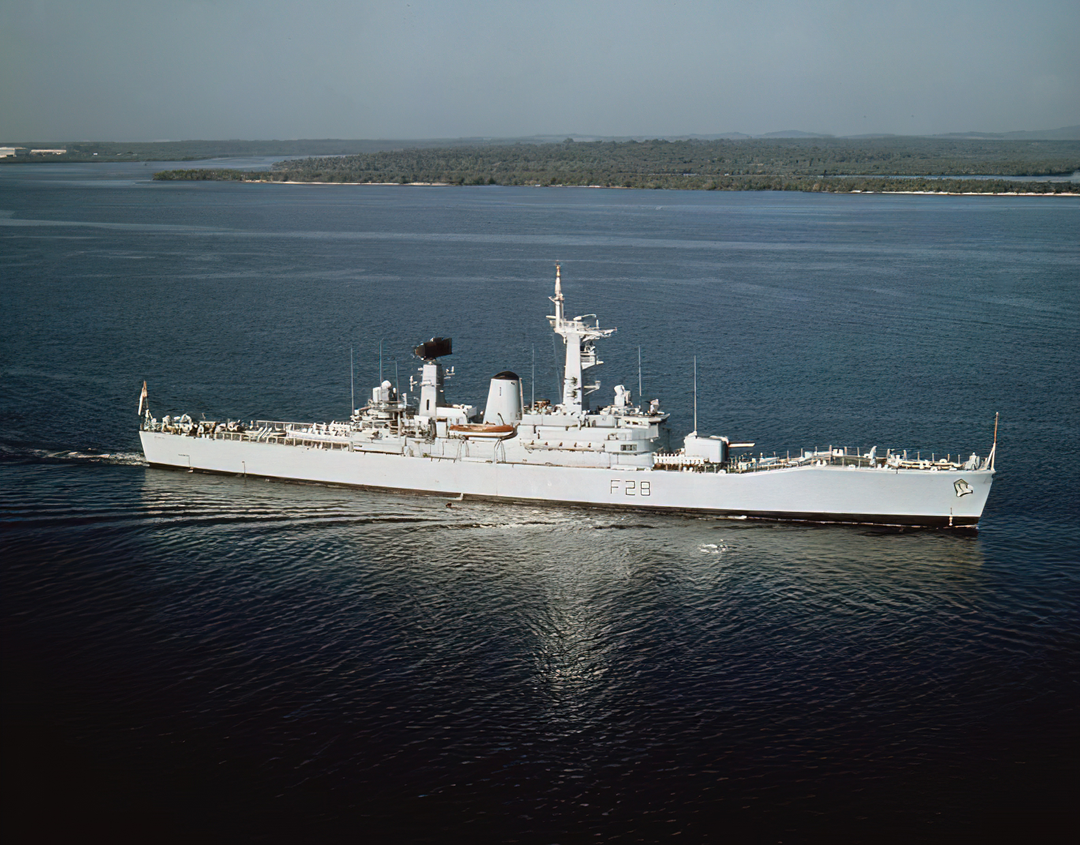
199, 657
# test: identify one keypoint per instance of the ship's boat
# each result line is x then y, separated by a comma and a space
573, 452
481, 430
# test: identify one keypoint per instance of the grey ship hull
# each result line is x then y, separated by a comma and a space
815, 492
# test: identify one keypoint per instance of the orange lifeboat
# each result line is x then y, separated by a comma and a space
485, 430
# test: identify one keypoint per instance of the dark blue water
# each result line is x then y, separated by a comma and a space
220, 657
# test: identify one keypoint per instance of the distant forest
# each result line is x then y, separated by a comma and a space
99, 151
805, 164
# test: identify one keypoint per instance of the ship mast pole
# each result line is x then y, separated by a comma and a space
695, 394
558, 299
555, 366
580, 351
352, 384
993, 449
144, 402
639, 374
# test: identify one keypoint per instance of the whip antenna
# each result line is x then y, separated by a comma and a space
695, 394
639, 374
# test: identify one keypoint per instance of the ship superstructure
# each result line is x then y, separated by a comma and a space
612, 456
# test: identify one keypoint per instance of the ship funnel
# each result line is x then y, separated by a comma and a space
504, 400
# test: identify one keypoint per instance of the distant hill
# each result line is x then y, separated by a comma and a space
197, 150
1065, 133
794, 133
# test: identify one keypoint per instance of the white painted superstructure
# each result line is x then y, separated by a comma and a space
615, 456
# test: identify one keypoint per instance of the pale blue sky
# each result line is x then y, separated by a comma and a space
260, 69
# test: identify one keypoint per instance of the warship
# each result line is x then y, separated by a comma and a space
614, 456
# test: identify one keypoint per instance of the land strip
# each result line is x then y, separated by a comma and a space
908, 165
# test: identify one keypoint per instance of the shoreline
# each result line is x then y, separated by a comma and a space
621, 188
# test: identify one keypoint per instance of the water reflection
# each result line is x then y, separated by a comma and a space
306, 636
558, 613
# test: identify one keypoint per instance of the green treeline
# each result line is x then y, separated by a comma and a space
208, 175
818, 164
99, 151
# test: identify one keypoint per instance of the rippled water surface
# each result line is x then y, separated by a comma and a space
216, 656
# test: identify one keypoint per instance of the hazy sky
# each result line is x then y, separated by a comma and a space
262, 69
